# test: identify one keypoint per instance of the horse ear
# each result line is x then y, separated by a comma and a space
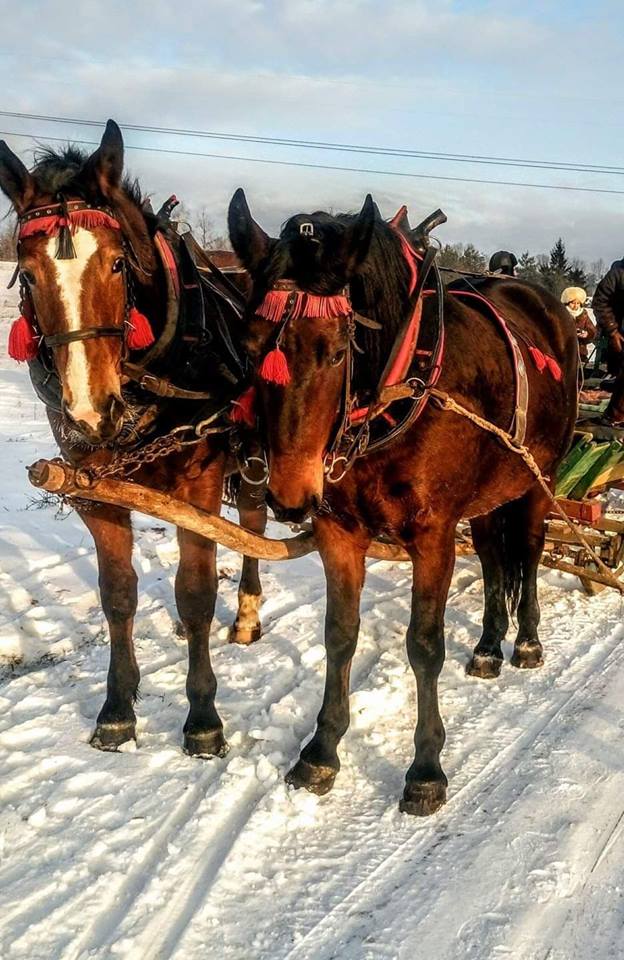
106, 164
15, 181
251, 244
359, 234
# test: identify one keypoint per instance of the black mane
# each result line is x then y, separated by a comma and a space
61, 169
379, 289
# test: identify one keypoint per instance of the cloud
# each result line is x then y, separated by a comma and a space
467, 77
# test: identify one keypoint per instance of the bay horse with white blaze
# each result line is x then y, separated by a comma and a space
311, 286
94, 262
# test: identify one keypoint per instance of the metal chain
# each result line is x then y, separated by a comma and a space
130, 462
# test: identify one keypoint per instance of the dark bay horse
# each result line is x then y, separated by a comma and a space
441, 469
88, 268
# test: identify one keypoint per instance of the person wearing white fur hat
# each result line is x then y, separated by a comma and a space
574, 298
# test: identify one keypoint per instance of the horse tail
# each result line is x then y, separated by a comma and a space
512, 536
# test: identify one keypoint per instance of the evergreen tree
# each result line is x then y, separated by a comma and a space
473, 260
558, 260
528, 268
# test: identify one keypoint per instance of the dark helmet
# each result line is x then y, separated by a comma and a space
503, 262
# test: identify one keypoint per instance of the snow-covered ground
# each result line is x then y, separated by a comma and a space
150, 854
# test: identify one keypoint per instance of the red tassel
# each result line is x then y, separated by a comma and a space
139, 334
274, 368
273, 305
539, 358
555, 369
543, 361
23, 341
244, 409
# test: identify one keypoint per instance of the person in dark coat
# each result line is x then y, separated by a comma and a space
608, 307
574, 299
503, 262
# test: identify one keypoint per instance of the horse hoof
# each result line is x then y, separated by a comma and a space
209, 744
527, 656
315, 779
484, 667
421, 799
244, 635
110, 736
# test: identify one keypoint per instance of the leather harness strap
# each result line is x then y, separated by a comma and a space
519, 422
90, 333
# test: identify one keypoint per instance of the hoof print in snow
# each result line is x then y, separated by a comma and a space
485, 668
316, 779
423, 799
244, 636
205, 746
110, 736
527, 656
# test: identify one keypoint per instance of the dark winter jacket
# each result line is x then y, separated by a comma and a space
585, 331
608, 300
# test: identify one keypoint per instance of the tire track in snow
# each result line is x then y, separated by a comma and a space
342, 926
160, 936
99, 931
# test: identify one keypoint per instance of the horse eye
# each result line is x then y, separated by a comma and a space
118, 265
337, 359
27, 277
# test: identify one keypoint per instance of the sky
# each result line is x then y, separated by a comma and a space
538, 81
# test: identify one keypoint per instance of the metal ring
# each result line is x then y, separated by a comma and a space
417, 385
329, 469
255, 483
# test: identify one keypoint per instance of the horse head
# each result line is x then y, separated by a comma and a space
79, 227
299, 329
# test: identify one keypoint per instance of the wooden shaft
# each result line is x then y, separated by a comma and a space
58, 477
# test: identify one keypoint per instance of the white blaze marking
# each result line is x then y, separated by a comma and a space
69, 275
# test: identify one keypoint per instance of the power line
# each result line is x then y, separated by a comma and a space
323, 166
338, 147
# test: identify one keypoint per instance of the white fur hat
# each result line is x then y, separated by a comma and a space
573, 293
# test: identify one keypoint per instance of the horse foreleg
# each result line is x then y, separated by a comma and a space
528, 651
196, 594
343, 559
252, 512
487, 656
111, 530
433, 558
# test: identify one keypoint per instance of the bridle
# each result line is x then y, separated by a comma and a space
351, 436
61, 219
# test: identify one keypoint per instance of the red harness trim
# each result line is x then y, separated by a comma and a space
169, 260
540, 359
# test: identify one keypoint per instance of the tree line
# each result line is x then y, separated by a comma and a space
555, 270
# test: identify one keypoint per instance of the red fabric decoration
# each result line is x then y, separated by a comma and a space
244, 409
305, 305
23, 341
139, 335
274, 368
273, 305
320, 308
50, 226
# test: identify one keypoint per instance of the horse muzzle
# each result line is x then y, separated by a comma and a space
98, 425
